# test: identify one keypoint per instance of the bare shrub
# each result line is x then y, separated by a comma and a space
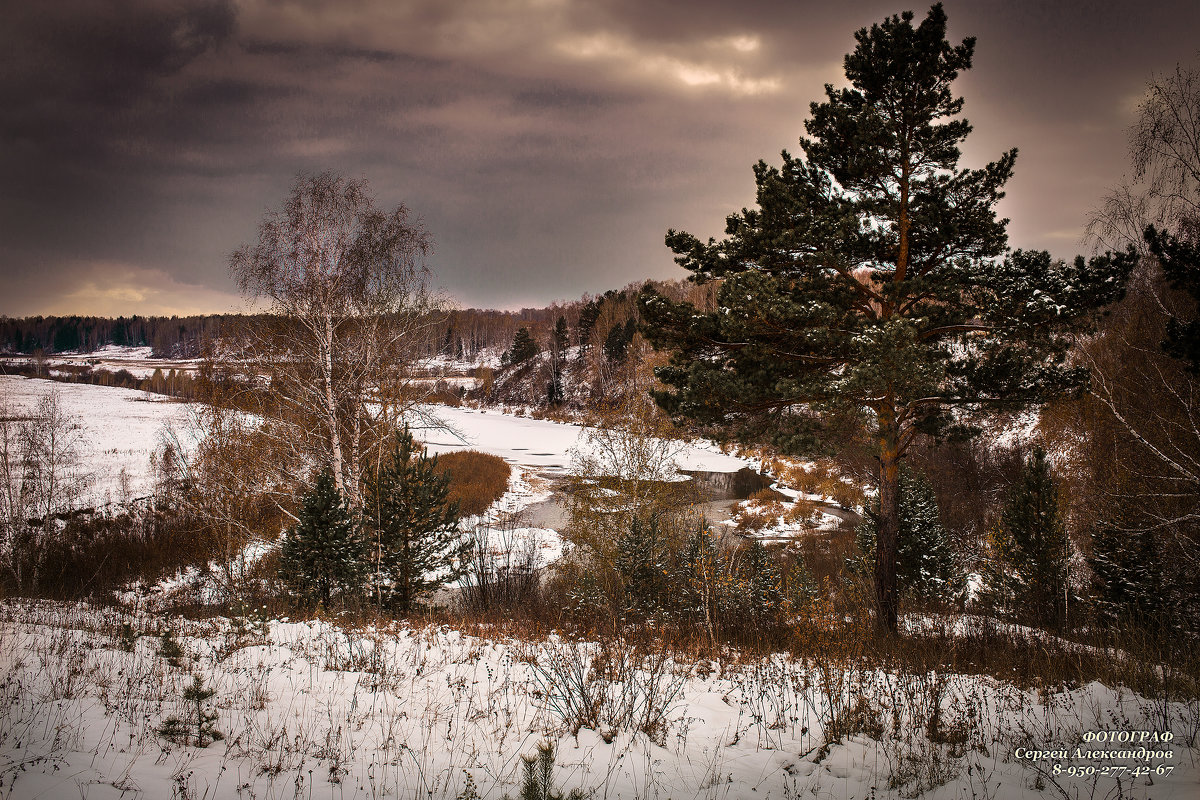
94, 555
502, 568
613, 685
41, 481
825, 554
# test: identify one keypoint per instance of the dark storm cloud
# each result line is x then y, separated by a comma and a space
547, 144
73, 68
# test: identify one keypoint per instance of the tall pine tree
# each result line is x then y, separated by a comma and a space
523, 347
323, 555
873, 276
411, 527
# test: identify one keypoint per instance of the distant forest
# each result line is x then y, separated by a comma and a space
177, 337
463, 334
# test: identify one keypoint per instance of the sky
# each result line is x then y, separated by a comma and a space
547, 145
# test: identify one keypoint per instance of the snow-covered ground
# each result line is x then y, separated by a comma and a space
119, 430
310, 710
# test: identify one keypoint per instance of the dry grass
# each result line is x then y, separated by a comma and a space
91, 556
825, 554
476, 479
823, 478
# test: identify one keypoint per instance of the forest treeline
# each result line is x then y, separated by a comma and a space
467, 335
170, 337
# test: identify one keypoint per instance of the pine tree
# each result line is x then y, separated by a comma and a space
871, 286
523, 347
1128, 575
760, 589
411, 528
618, 340
587, 324
562, 337
537, 781
323, 554
199, 728
559, 341
926, 566
1032, 550
641, 562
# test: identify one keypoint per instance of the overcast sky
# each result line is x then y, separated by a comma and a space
547, 144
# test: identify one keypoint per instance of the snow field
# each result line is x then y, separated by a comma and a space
309, 709
119, 430
122, 427
137, 361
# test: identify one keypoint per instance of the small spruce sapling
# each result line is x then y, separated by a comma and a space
760, 584
127, 637
642, 563
538, 779
411, 527
1028, 574
927, 566
1129, 581
170, 649
200, 726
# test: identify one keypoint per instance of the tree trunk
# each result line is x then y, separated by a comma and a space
335, 440
886, 543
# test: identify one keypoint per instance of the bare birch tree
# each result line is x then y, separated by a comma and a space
1149, 396
348, 287
1140, 424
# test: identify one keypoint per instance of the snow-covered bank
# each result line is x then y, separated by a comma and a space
310, 710
137, 361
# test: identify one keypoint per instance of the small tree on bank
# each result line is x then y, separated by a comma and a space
323, 555
927, 566
1031, 549
410, 526
1130, 582
523, 347
872, 286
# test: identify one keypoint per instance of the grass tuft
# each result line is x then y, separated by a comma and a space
476, 479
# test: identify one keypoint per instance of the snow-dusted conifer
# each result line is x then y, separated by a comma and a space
927, 566
323, 554
1029, 571
872, 283
642, 563
411, 527
760, 590
523, 347
1128, 577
